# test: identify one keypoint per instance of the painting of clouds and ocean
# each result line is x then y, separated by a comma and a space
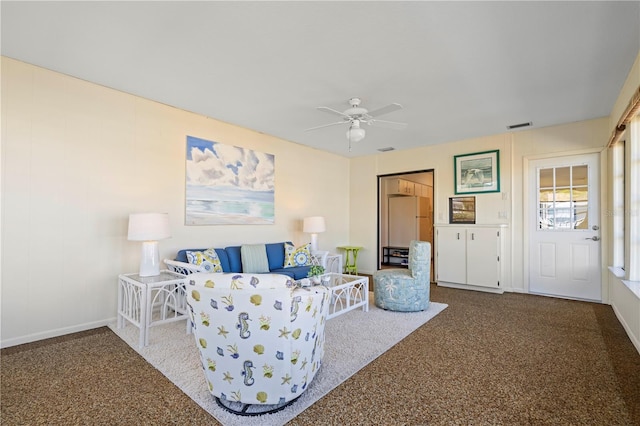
228, 185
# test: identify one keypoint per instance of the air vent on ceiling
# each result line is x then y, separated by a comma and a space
389, 148
517, 126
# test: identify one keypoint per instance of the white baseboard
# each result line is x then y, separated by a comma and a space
471, 287
5, 343
626, 327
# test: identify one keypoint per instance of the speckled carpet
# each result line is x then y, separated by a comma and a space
352, 341
511, 359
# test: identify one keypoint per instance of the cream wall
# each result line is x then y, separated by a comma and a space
625, 303
514, 149
574, 138
77, 158
364, 172
628, 89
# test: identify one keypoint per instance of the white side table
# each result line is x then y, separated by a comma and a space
149, 301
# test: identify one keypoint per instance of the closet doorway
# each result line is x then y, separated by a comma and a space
405, 213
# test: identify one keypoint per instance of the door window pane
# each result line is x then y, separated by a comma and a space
563, 176
546, 195
545, 221
581, 220
579, 195
580, 175
563, 194
546, 178
563, 214
563, 198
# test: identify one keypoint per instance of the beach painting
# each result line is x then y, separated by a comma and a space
228, 185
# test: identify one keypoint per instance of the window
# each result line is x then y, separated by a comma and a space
618, 211
625, 201
632, 203
563, 198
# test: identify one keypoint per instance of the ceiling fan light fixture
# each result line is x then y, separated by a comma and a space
355, 132
356, 115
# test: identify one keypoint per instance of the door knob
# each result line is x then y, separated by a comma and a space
594, 238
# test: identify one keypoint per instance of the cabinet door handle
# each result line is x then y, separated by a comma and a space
473, 236
458, 235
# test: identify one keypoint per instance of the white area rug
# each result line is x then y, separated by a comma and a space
352, 341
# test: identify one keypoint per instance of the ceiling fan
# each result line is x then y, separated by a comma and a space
356, 115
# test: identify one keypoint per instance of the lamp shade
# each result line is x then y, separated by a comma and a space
313, 225
148, 226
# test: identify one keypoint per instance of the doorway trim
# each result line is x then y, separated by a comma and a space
380, 179
527, 209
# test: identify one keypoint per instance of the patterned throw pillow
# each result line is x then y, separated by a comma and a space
300, 256
207, 259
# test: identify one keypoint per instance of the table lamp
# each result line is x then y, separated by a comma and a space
149, 228
313, 225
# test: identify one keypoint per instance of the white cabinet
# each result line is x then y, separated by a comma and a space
400, 187
470, 257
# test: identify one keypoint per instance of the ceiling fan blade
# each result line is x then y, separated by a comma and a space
388, 124
326, 125
333, 112
384, 110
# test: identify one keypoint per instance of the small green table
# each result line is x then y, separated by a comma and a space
350, 259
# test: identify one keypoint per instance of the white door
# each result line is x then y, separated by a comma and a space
452, 255
482, 257
564, 251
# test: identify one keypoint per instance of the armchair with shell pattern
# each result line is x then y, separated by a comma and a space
261, 338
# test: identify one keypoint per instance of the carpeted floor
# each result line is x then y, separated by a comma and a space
486, 359
352, 340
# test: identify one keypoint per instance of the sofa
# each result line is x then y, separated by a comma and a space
231, 260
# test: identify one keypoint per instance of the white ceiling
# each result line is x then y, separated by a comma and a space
460, 69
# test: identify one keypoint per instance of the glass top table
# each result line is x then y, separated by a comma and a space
348, 292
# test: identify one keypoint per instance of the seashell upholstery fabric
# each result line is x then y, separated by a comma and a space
261, 338
406, 289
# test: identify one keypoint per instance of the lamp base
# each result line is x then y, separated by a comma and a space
150, 259
314, 242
